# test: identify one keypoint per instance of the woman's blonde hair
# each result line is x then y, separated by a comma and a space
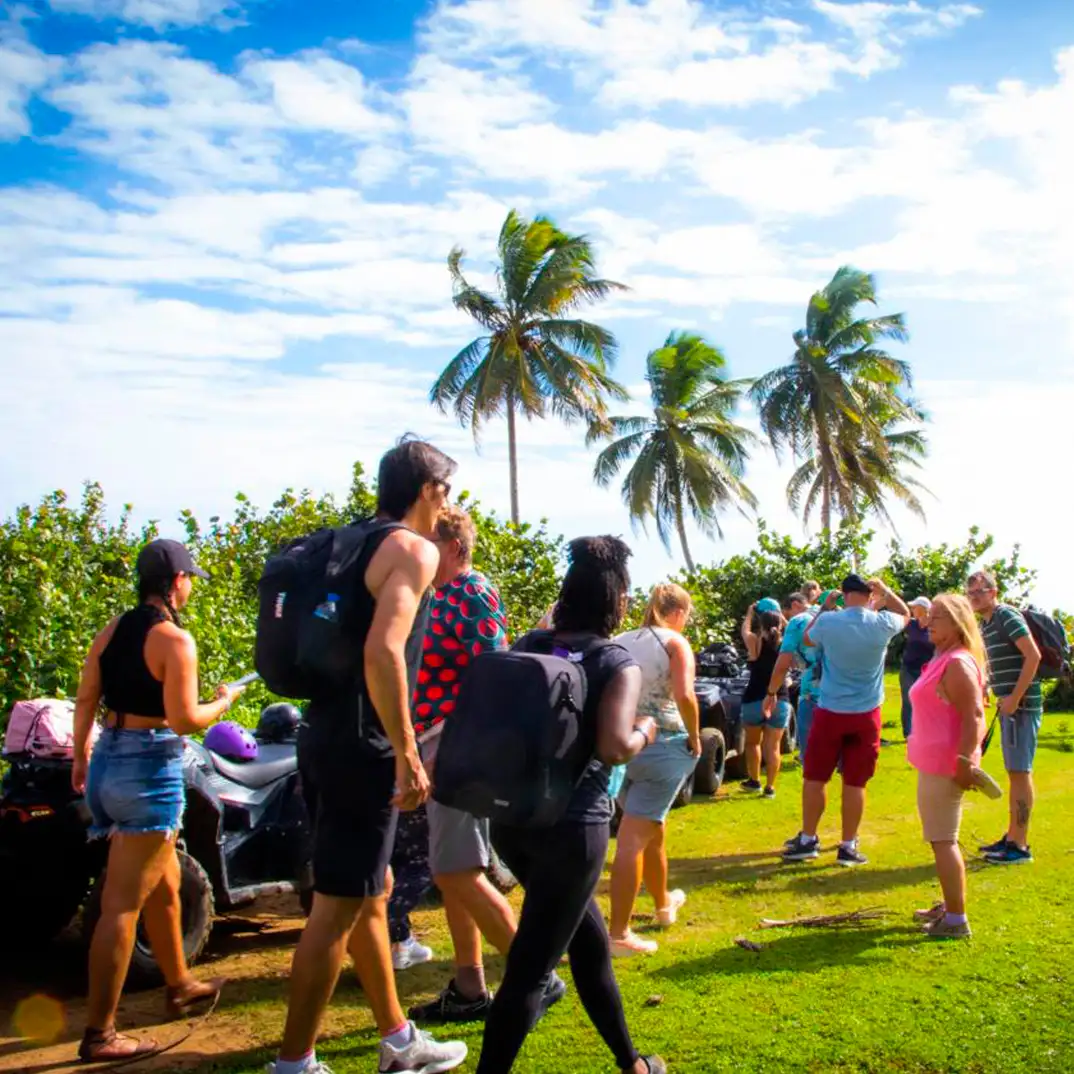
961, 612
665, 599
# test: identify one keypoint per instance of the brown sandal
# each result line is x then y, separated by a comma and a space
108, 1046
191, 996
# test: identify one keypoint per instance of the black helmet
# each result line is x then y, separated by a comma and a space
279, 722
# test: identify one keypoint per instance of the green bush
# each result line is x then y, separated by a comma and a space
65, 571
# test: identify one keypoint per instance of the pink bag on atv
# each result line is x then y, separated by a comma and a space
44, 727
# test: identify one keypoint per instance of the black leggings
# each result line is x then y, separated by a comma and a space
559, 868
410, 866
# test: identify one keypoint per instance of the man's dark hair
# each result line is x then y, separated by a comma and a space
405, 471
795, 598
597, 579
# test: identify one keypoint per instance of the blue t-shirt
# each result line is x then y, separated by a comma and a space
793, 644
855, 642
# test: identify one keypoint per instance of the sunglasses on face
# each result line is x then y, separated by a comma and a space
978, 592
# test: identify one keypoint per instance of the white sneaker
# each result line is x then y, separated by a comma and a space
314, 1068
669, 915
629, 944
422, 1055
410, 953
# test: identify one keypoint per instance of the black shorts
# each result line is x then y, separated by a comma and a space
349, 793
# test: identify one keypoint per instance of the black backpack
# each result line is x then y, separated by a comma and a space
1051, 638
516, 746
308, 644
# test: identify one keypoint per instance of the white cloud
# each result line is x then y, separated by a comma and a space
23, 70
157, 14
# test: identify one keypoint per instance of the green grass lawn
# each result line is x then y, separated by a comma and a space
869, 999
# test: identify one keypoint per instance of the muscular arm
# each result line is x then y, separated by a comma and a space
681, 657
617, 739
410, 573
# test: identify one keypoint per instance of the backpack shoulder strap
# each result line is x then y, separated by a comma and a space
349, 541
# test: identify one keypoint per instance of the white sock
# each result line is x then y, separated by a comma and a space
955, 919
295, 1066
401, 1037
849, 844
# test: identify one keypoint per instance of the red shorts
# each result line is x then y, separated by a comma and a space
853, 737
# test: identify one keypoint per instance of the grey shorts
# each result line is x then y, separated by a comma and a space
1019, 734
654, 777
458, 841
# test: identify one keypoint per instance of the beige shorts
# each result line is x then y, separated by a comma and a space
939, 803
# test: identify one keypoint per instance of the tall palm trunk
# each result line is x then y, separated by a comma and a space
680, 525
512, 457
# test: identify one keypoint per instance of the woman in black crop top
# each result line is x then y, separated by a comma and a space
762, 634
559, 867
142, 668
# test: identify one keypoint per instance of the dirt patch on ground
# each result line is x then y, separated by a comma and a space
252, 949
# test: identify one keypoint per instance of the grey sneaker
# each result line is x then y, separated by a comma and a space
422, 1055
802, 849
933, 913
315, 1068
942, 929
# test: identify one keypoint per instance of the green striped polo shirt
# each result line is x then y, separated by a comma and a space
1000, 634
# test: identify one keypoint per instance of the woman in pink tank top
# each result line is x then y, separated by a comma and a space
945, 748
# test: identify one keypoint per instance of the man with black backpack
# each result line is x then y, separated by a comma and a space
1013, 662
343, 617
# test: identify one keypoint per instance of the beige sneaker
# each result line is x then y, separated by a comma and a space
628, 945
669, 915
933, 913
942, 929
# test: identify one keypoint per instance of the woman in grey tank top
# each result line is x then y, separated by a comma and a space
654, 777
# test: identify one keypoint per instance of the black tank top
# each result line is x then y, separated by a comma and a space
340, 717
761, 674
128, 687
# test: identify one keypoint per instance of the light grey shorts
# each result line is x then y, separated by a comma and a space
458, 841
654, 777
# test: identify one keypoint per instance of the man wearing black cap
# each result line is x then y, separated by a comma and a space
846, 723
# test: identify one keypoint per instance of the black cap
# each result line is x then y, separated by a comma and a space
166, 559
854, 583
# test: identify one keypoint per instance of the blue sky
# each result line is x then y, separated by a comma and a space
223, 228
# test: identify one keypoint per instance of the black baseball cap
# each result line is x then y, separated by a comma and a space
854, 583
166, 559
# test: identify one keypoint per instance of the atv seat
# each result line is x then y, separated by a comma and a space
273, 763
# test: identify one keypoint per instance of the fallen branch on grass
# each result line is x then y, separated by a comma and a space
825, 921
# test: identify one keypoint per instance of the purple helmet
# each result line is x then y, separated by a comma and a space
232, 741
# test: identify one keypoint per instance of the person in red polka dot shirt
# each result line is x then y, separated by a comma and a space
466, 619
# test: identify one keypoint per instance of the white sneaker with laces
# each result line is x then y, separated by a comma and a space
314, 1068
410, 953
422, 1055
669, 915
630, 944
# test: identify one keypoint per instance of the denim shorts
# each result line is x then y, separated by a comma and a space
753, 715
654, 777
135, 782
1019, 734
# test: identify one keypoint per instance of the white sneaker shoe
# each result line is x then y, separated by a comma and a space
630, 944
410, 953
313, 1068
422, 1055
669, 915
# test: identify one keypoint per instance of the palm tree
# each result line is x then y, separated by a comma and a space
689, 456
830, 403
533, 358
872, 475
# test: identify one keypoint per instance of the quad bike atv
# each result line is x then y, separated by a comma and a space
245, 833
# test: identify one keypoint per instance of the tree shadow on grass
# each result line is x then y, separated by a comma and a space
804, 951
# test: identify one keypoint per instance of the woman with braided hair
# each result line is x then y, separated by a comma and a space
143, 670
559, 867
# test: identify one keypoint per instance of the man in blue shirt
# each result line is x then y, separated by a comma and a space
846, 723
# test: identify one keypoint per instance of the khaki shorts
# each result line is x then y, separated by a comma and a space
939, 804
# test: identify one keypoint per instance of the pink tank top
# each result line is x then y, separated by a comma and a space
937, 727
